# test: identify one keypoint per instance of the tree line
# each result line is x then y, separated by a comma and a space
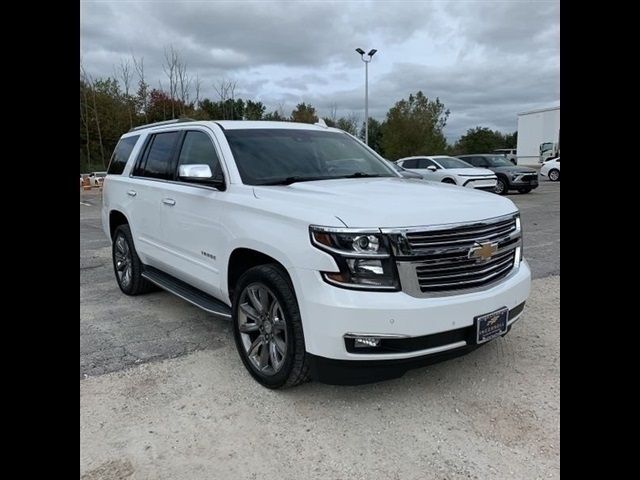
111, 106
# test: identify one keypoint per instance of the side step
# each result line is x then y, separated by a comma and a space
185, 291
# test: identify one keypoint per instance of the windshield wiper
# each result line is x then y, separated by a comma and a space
293, 179
362, 175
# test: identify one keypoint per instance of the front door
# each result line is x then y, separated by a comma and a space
194, 234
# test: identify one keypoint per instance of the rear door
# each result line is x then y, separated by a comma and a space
192, 214
147, 186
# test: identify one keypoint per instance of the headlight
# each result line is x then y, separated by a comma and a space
362, 257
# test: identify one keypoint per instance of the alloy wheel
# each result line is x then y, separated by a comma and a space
123, 261
263, 328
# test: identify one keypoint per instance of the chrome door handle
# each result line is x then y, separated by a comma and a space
132, 193
169, 201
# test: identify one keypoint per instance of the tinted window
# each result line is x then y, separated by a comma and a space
121, 155
158, 161
272, 156
412, 163
197, 149
475, 161
424, 163
450, 162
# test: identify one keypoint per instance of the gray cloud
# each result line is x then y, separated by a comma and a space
486, 61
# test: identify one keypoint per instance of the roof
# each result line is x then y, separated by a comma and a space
540, 110
231, 125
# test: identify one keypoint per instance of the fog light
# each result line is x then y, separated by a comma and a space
366, 342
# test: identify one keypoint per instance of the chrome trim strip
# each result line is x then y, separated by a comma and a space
375, 335
446, 226
465, 274
164, 287
417, 353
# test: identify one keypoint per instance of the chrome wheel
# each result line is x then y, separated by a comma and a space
263, 328
500, 187
123, 261
554, 175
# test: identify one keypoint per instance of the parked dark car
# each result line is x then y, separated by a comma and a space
510, 176
404, 172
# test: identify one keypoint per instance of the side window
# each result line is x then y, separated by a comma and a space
470, 160
198, 149
411, 163
425, 162
159, 156
121, 155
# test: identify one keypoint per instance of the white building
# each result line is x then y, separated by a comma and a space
535, 128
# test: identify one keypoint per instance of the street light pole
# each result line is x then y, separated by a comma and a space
366, 88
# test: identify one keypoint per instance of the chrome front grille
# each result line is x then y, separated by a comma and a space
432, 261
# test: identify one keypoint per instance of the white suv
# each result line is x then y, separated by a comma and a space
330, 265
445, 169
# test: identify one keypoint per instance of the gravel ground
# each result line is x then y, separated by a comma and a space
491, 414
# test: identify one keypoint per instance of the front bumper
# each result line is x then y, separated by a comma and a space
483, 183
526, 182
329, 313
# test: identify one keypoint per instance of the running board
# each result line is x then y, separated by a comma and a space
185, 291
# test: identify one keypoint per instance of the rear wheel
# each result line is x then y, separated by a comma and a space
554, 175
501, 187
127, 265
268, 328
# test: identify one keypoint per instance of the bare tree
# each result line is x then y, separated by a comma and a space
333, 112
89, 81
170, 67
164, 104
225, 90
127, 75
85, 117
142, 84
197, 85
184, 82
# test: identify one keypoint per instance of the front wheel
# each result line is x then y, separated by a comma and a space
449, 181
268, 328
554, 175
501, 187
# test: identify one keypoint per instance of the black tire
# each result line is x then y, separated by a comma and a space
554, 172
502, 187
449, 181
295, 367
137, 284
524, 190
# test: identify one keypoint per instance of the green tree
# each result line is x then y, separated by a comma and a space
480, 140
254, 110
414, 127
349, 124
275, 116
511, 140
304, 113
375, 134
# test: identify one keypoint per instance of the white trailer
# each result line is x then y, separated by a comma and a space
538, 135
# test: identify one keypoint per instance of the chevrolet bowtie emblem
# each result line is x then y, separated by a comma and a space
482, 252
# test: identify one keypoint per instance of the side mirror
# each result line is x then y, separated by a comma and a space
195, 172
200, 174
431, 168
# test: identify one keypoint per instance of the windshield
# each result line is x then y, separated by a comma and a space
271, 156
498, 161
450, 162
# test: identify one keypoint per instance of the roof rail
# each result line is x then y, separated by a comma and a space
166, 122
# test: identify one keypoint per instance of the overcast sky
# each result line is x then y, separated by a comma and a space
485, 60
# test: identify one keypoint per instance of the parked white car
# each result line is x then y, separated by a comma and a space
328, 263
551, 169
96, 178
441, 168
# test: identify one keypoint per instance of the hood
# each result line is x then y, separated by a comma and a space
514, 169
384, 202
466, 172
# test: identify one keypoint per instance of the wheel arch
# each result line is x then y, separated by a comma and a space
116, 218
242, 259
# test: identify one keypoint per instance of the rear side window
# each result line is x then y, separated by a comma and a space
412, 163
197, 149
121, 155
425, 162
471, 160
158, 163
